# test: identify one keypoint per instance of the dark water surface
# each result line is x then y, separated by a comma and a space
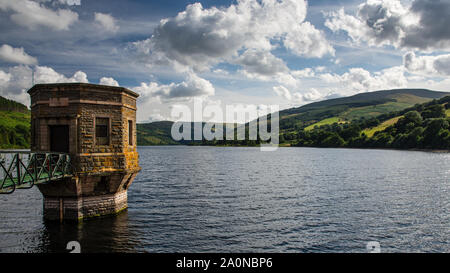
214, 199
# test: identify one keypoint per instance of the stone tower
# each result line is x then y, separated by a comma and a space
96, 125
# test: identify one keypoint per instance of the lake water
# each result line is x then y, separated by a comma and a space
229, 199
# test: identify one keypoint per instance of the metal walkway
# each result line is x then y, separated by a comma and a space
23, 170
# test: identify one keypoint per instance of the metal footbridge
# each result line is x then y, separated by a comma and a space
24, 169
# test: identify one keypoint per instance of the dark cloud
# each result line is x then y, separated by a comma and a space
424, 25
386, 24
433, 30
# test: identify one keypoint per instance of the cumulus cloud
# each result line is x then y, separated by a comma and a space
193, 86
282, 92
306, 40
263, 65
70, 2
106, 21
155, 117
360, 80
298, 97
62, 2
4, 78
18, 79
31, 14
304, 73
312, 95
108, 81
15, 55
44, 74
423, 25
431, 66
198, 38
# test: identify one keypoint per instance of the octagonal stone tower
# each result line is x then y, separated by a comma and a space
96, 125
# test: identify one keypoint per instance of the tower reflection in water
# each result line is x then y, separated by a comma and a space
106, 234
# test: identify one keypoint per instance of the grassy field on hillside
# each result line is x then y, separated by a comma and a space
11, 119
374, 110
371, 131
409, 98
327, 121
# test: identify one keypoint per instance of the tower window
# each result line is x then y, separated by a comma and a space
130, 132
102, 131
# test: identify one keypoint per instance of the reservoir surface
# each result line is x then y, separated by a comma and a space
239, 199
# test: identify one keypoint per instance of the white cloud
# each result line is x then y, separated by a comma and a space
360, 80
44, 74
18, 80
264, 66
431, 66
70, 2
31, 14
422, 25
306, 40
312, 95
62, 2
282, 92
378, 22
198, 38
261, 63
106, 21
15, 55
108, 81
156, 117
220, 71
304, 73
4, 79
193, 86
298, 97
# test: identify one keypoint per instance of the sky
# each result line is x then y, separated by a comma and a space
247, 52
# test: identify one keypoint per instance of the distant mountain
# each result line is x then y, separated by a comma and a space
14, 124
342, 110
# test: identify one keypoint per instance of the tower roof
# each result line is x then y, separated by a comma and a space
81, 87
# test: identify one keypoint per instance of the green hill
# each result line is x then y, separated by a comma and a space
155, 133
159, 133
14, 124
307, 117
422, 126
363, 105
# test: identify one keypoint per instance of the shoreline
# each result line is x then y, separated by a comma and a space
439, 151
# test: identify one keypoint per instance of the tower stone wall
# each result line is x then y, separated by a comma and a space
96, 125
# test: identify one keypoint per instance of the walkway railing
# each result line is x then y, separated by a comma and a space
23, 170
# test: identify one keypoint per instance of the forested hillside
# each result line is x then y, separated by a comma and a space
424, 126
14, 124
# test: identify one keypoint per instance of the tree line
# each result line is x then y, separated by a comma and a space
424, 126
